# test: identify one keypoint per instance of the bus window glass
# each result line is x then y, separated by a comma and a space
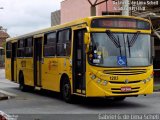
105, 51
50, 44
1, 51
29, 47
63, 45
29, 42
20, 50
8, 49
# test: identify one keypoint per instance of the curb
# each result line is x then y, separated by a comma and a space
156, 92
5, 93
3, 97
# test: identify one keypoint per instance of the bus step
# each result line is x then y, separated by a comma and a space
37, 88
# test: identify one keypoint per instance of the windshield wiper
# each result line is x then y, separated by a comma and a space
134, 38
131, 43
129, 48
114, 40
119, 46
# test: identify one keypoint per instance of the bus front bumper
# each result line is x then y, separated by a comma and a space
112, 90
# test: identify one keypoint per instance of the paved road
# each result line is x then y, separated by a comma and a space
47, 103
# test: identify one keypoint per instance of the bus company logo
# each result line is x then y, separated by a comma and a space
126, 81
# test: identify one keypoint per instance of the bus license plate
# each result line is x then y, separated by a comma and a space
125, 89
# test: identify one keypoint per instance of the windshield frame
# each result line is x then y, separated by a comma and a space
150, 63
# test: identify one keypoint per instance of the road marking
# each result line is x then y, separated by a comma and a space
7, 82
8, 93
157, 92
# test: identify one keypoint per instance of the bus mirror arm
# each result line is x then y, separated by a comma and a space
87, 38
87, 41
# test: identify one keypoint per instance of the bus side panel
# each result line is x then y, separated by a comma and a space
64, 67
28, 71
50, 74
52, 71
8, 68
25, 65
19, 68
15, 71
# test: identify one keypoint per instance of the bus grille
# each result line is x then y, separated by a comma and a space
123, 82
118, 90
125, 71
125, 92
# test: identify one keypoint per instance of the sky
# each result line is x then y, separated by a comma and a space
24, 16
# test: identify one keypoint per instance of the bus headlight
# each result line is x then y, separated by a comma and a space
144, 81
99, 80
93, 77
151, 76
105, 82
148, 79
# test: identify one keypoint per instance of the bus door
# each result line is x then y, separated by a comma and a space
79, 62
14, 62
37, 60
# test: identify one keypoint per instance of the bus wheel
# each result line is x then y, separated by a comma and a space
66, 91
119, 98
22, 86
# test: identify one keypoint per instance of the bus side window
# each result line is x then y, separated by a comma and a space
29, 47
8, 49
50, 44
3, 53
20, 50
64, 43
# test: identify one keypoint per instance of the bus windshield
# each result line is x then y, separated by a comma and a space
120, 49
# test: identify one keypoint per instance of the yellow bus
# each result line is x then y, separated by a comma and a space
101, 56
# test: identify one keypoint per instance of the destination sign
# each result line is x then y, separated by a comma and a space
120, 23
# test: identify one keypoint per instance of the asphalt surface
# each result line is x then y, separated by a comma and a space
48, 105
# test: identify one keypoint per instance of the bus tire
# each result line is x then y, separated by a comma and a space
119, 98
66, 90
22, 86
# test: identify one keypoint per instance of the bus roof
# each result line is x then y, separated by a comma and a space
1, 48
69, 24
